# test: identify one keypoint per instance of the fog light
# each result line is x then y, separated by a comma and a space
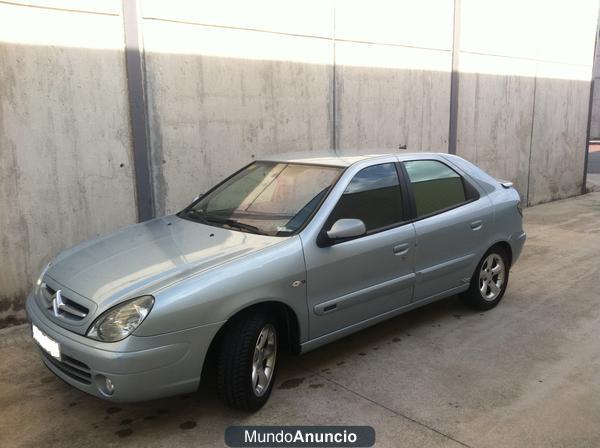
110, 387
104, 384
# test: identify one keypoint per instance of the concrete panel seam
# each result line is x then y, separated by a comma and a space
56, 8
454, 79
522, 58
531, 140
389, 44
282, 33
334, 127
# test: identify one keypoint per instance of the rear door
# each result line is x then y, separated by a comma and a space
451, 220
352, 281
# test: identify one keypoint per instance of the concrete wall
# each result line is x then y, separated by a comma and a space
229, 81
65, 158
524, 92
393, 63
219, 97
232, 79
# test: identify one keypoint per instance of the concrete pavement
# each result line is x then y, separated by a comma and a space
523, 374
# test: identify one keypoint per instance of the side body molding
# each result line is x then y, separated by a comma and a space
364, 295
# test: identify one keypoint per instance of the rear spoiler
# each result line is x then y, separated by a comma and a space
505, 183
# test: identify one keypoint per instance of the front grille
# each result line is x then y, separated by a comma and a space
71, 367
69, 309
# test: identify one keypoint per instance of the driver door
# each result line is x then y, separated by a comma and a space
351, 281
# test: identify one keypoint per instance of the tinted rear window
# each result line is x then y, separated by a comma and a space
436, 186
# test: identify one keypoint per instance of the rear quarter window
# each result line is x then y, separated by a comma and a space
436, 186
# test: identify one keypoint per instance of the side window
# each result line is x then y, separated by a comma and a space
373, 196
436, 186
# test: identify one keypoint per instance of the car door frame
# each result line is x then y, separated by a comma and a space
312, 234
316, 223
406, 206
475, 192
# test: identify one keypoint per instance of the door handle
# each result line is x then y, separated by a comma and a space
476, 225
401, 249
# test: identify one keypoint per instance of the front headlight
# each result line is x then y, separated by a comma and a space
120, 321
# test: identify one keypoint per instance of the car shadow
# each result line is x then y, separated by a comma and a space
203, 408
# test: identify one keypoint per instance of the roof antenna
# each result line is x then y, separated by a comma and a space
402, 146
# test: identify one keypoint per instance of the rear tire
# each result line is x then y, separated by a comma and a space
489, 280
247, 361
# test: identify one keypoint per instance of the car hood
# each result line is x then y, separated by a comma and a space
145, 257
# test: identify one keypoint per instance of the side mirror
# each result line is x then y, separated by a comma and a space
346, 228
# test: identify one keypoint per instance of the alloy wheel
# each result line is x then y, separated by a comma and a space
263, 361
491, 277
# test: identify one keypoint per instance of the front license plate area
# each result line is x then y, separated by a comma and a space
48, 344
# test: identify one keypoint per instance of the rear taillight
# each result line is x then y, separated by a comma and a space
519, 208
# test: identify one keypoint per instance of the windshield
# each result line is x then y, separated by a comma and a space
267, 198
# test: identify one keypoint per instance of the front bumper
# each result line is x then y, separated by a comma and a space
140, 368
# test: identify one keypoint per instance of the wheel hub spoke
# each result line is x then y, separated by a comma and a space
491, 277
263, 361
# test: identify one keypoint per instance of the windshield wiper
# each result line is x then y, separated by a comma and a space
195, 214
233, 223
207, 219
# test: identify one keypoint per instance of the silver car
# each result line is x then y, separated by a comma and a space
291, 253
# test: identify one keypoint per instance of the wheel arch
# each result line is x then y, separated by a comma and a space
289, 325
505, 245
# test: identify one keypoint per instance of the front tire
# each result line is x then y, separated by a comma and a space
489, 280
247, 361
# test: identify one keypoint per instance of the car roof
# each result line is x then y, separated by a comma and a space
340, 158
